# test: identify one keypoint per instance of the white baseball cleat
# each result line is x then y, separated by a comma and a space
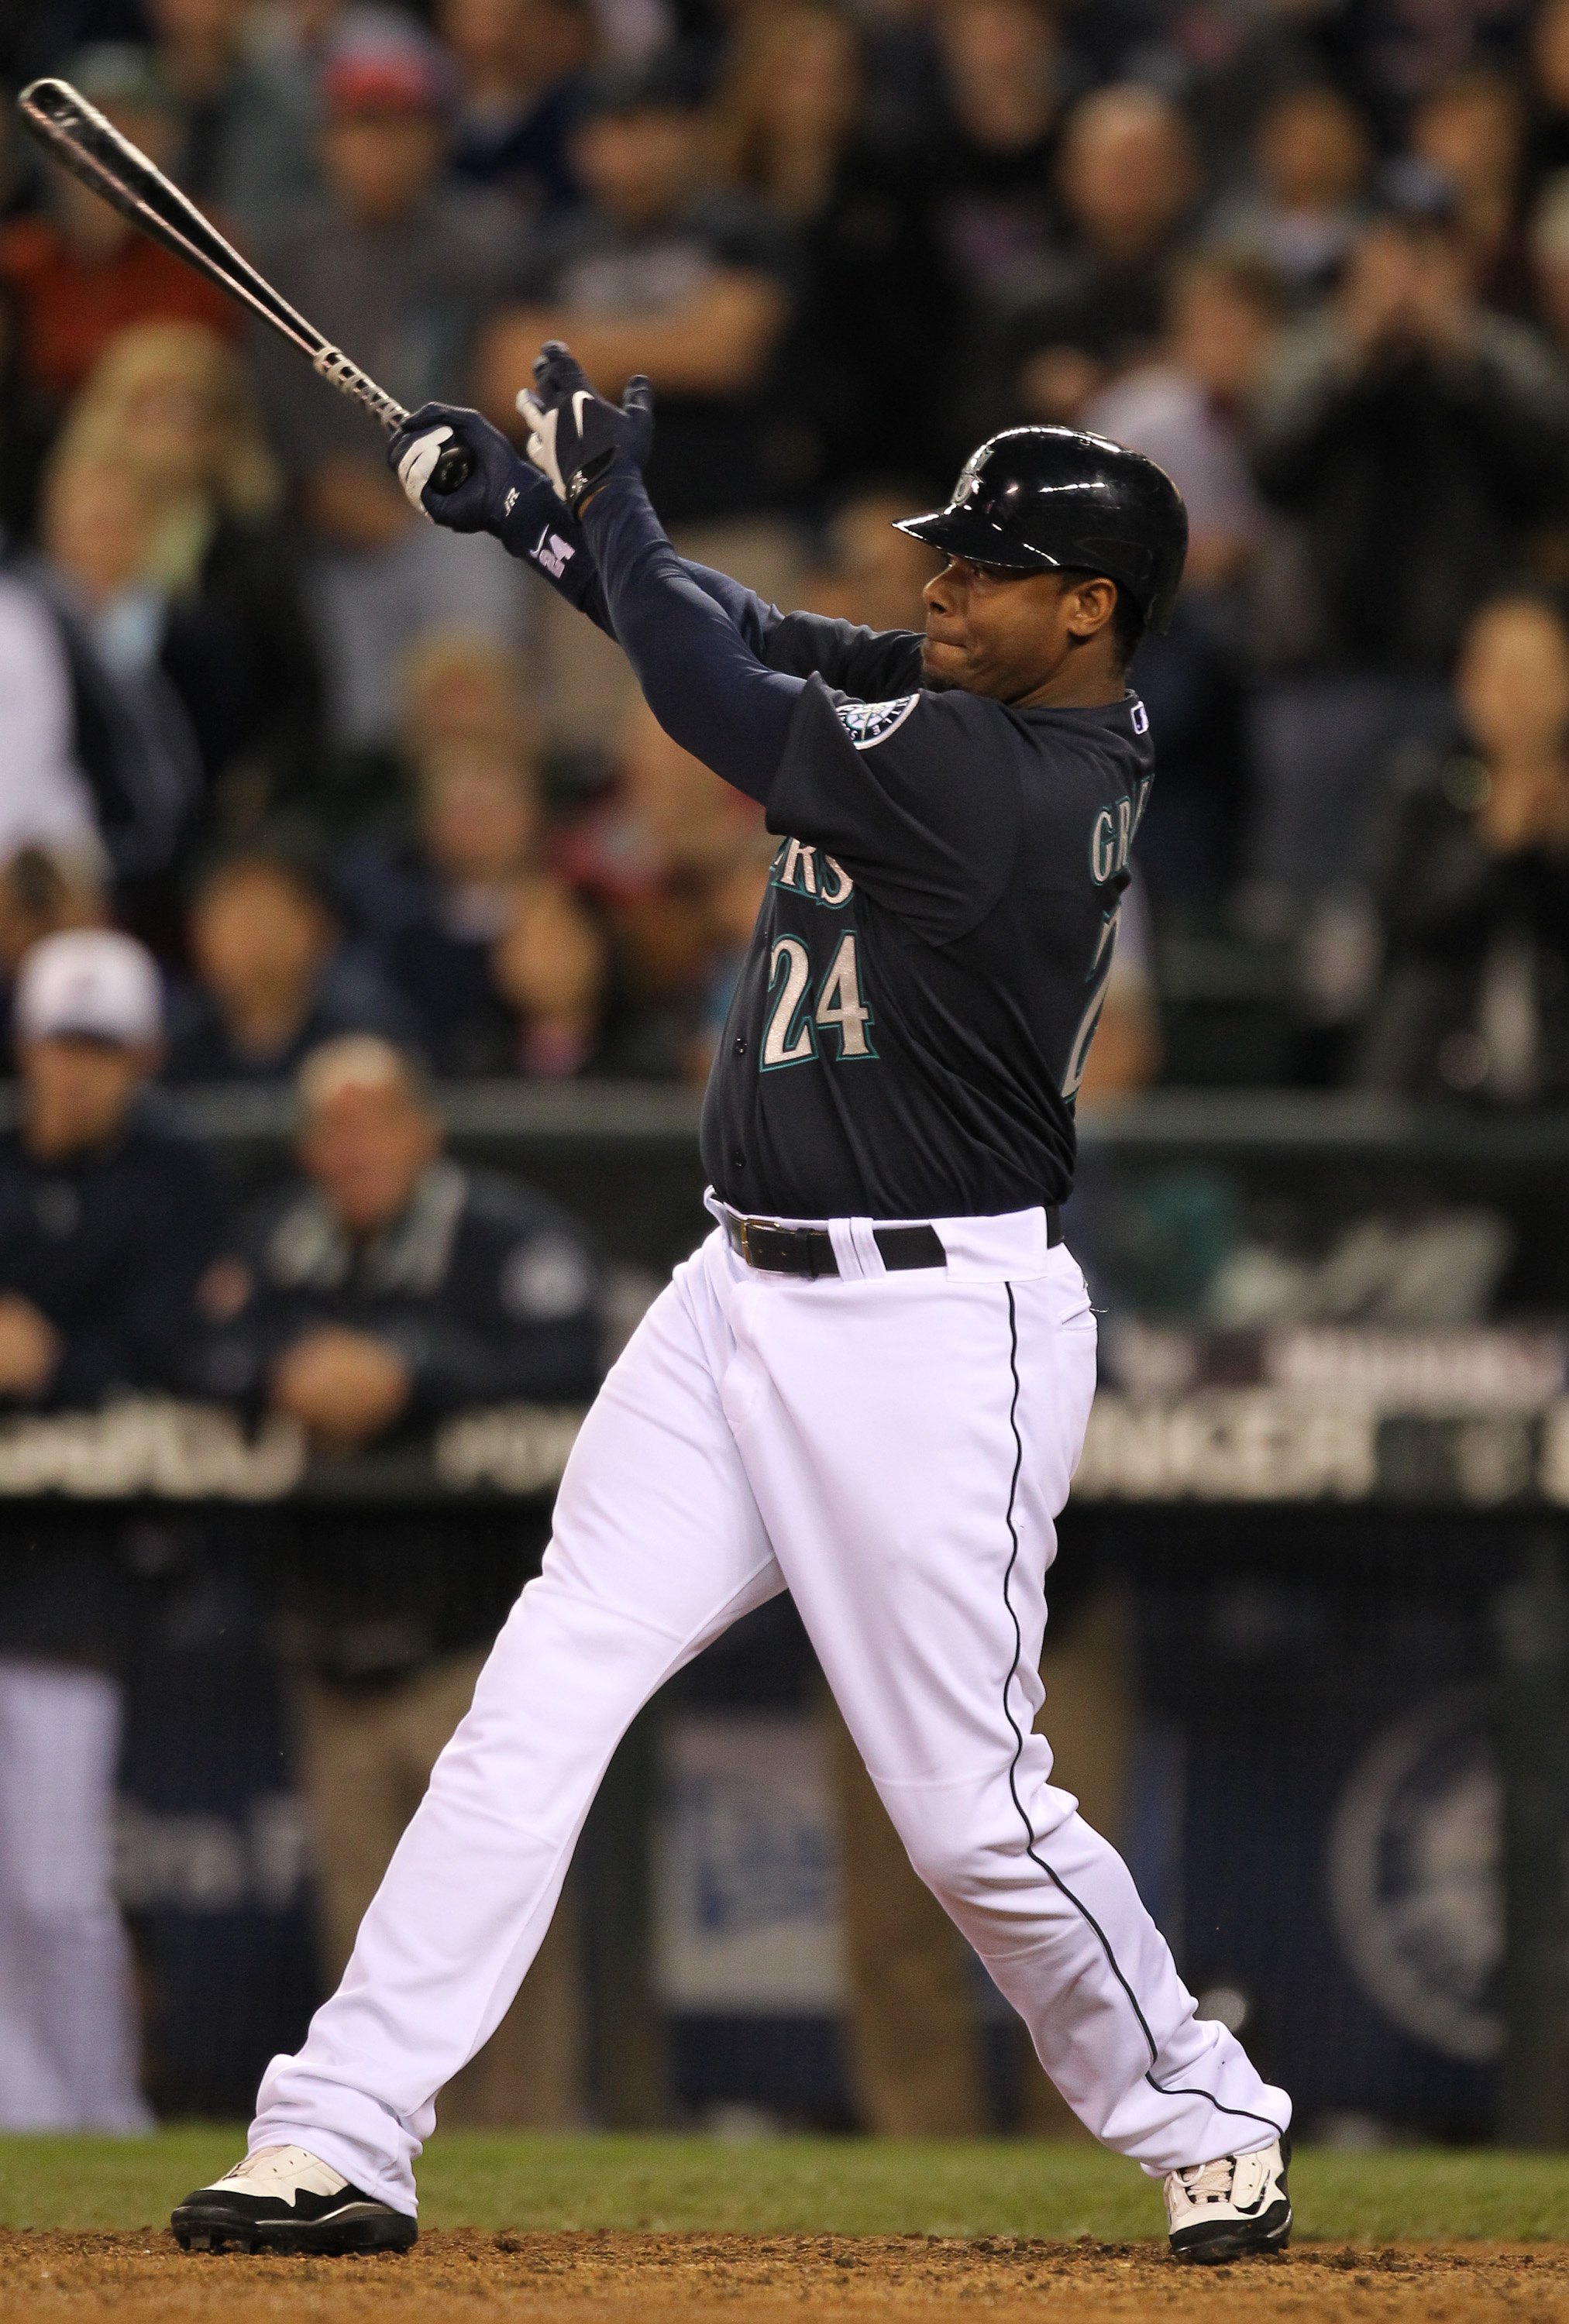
1234, 2208
282, 2199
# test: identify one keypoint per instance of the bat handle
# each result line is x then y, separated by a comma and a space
454, 467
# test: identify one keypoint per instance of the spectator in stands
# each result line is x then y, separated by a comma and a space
400, 268
1416, 440
1475, 889
79, 271
1313, 159
170, 403
393, 1286
870, 573
268, 154
389, 1287
876, 294
273, 979
1547, 88
1188, 407
1548, 243
518, 61
503, 971
200, 48
1005, 78
1472, 130
109, 1218
676, 863
45, 800
103, 720
1128, 177
659, 274
108, 1222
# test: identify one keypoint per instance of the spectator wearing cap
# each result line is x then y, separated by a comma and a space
398, 267
78, 272
274, 979
108, 1219
517, 64
387, 1286
1415, 441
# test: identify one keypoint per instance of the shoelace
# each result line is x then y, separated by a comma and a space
1205, 2183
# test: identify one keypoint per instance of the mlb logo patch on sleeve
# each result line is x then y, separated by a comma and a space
868, 723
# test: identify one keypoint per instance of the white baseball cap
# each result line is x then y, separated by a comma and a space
89, 980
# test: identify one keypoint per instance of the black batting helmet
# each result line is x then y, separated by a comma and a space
1055, 499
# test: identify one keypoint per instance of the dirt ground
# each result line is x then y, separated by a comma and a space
606, 2277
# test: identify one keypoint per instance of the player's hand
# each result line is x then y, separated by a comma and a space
480, 504
576, 435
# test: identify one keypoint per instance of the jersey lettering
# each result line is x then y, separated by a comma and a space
1111, 834
790, 955
811, 871
840, 1004
791, 1037
1079, 1054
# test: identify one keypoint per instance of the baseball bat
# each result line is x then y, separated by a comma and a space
91, 148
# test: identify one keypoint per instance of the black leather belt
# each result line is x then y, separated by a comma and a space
809, 1250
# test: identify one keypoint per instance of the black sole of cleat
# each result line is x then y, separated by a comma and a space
1264, 2238
371, 2228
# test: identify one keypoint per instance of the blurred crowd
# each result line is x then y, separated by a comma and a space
343, 772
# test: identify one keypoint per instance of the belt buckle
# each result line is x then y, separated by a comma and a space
744, 1242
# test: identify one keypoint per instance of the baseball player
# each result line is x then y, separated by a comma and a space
869, 1385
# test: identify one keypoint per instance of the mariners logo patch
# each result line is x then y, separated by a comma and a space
869, 722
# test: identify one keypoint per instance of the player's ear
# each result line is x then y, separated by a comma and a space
1091, 606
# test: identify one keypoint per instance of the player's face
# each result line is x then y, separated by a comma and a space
1022, 638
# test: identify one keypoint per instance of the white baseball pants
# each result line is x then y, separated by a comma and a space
892, 1449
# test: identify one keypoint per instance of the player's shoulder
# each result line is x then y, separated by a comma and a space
1109, 739
1107, 750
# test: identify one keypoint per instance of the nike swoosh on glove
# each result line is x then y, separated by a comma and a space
481, 503
577, 436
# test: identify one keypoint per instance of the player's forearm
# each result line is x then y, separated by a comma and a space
540, 532
700, 675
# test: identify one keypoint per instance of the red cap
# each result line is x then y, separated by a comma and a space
385, 76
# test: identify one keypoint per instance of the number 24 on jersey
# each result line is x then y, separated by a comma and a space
794, 1020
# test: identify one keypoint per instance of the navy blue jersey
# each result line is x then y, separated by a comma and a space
912, 1020
924, 981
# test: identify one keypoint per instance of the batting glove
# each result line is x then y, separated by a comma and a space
495, 483
577, 437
